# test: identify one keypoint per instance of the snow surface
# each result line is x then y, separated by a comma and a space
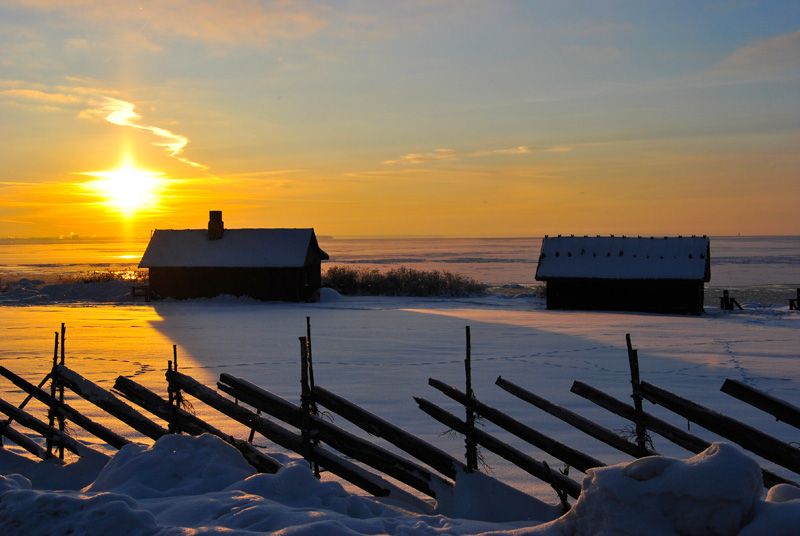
238, 248
620, 257
202, 484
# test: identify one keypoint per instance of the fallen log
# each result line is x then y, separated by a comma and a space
672, 433
372, 424
56, 436
518, 458
288, 440
740, 433
780, 409
103, 399
65, 411
581, 423
558, 450
147, 399
353, 446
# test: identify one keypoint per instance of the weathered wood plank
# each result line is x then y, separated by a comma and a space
581, 423
780, 409
66, 411
147, 399
288, 440
572, 457
376, 457
22, 440
57, 437
740, 433
672, 433
515, 456
372, 424
91, 392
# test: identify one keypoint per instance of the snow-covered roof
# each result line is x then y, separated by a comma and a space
238, 248
620, 257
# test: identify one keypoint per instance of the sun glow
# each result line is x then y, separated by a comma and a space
127, 189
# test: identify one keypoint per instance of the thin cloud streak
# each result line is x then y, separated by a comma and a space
122, 113
438, 155
98, 105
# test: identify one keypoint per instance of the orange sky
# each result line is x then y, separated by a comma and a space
465, 119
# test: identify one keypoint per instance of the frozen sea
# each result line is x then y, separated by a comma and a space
380, 352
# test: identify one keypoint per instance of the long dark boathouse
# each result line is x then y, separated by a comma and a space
266, 264
651, 274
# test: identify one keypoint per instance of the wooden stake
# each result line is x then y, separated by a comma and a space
633, 362
53, 386
469, 437
61, 387
305, 404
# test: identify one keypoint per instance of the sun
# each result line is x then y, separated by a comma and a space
127, 189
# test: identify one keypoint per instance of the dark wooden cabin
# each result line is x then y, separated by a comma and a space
662, 275
266, 264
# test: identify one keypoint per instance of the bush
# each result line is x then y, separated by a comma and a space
101, 276
400, 281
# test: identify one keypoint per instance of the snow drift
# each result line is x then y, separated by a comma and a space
201, 485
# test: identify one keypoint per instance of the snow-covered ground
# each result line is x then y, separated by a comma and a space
379, 352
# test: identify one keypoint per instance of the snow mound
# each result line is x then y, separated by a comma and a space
45, 512
476, 496
327, 294
174, 465
716, 492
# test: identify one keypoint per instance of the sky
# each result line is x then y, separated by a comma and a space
379, 118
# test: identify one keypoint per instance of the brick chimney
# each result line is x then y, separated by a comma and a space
215, 225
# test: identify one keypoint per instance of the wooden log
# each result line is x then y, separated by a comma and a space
103, 399
558, 450
147, 399
57, 438
357, 448
283, 437
23, 441
515, 456
633, 362
740, 433
581, 423
780, 409
672, 433
63, 410
372, 424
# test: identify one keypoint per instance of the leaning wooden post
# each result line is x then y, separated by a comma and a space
61, 387
305, 404
170, 396
469, 438
633, 362
51, 413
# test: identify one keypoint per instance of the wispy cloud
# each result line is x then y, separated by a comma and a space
451, 154
777, 56
234, 22
423, 158
96, 104
122, 113
40, 96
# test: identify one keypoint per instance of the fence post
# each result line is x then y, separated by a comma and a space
469, 438
305, 404
633, 362
51, 414
61, 388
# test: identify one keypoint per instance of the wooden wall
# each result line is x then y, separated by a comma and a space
286, 284
659, 296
